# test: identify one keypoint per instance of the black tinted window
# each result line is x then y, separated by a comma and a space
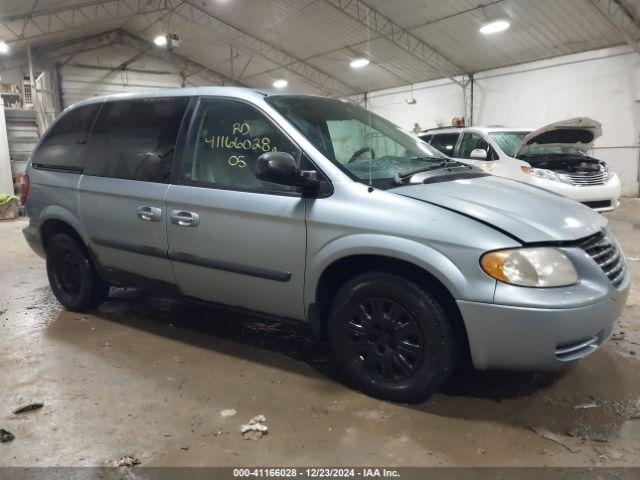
425, 138
65, 144
445, 142
136, 139
226, 142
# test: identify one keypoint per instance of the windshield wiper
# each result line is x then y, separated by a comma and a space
443, 160
400, 177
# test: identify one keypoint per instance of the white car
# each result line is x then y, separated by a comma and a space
553, 157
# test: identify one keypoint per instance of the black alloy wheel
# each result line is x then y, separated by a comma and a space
72, 275
385, 339
390, 337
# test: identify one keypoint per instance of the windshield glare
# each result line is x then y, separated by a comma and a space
510, 141
362, 144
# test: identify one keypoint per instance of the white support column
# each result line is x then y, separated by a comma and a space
6, 180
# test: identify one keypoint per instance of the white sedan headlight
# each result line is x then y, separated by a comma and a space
542, 173
607, 169
530, 267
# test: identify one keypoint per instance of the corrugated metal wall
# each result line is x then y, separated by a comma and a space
80, 82
22, 134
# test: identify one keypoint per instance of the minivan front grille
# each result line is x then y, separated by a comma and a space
584, 179
607, 255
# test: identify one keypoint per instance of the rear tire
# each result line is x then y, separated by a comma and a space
391, 338
72, 275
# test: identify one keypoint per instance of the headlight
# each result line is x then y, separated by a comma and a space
607, 169
541, 173
530, 267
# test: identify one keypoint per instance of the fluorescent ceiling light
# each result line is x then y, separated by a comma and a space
280, 83
4, 48
359, 62
494, 26
160, 40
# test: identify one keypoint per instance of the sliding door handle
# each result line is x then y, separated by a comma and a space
149, 214
184, 219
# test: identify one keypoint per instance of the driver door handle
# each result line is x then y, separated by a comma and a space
184, 219
149, 214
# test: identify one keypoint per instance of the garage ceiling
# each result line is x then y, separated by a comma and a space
310, 42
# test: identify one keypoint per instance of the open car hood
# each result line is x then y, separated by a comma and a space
579, 132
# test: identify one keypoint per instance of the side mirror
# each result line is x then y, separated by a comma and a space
479, 154
280, 168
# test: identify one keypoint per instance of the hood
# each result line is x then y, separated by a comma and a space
579, 132
528, 213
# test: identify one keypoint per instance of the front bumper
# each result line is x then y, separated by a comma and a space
608, 192
531, 338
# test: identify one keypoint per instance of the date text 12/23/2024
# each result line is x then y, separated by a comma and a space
315, 473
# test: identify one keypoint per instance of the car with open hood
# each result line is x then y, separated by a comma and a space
315, 210
554, 157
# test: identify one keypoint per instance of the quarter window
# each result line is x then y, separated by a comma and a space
136, 139
65, 146
225, 142
445, 142
473, 141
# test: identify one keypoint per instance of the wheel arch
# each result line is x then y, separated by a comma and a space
55, 224
56, 219
341, 269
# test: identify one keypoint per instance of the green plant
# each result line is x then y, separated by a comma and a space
6, 198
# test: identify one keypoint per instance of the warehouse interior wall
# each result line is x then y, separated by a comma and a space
92, 73
6, 180
602, 84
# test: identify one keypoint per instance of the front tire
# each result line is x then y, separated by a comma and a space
72, 275
391, 338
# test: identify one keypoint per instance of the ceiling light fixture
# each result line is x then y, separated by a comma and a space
359, 62
160, 40
4, 48
494, 26
280, 83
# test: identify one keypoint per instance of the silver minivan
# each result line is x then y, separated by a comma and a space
314, 209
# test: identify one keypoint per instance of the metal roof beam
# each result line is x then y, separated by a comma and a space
58, 19
623, 18
386, 28
188, 67
254, 46
70, 48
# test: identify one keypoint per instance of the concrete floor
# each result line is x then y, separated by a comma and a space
149, 377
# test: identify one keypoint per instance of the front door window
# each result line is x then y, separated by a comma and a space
224, 145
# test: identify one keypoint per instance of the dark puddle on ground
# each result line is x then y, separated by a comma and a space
595, 398
216, 328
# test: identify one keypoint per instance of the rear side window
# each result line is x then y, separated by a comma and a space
136, 139
445, 142
65, 145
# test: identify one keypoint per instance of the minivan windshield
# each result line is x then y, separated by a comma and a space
510, 141
367, 147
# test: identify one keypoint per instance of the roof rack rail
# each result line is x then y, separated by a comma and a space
438, 128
